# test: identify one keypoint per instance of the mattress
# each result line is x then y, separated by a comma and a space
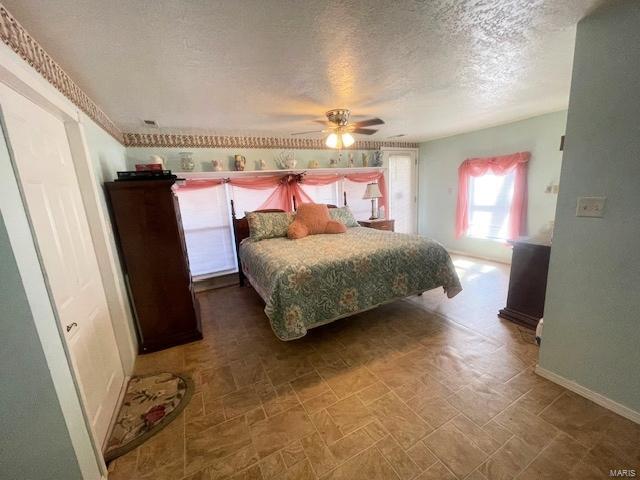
321, 278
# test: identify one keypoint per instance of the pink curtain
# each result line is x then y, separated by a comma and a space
285, 188
257, 183
371, 177
282, 197
365, 177
199, 184
288, 186
503, 165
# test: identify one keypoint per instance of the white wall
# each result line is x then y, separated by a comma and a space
438, 178
592, 311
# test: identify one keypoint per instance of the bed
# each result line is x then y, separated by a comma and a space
318, 279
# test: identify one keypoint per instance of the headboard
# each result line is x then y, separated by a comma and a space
241, 229
295, 205
240, 232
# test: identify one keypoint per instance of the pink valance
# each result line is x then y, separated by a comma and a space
288, 186
199, 184
364, 177
502, 165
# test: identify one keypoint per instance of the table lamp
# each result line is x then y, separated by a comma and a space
372, 192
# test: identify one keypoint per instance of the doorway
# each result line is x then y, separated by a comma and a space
45, 170
403, 190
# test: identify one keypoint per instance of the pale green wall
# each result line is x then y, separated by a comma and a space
438, 182
34, 443
107, 154
592, 311
107, 157
204, 156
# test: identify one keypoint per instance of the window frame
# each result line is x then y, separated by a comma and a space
496, 209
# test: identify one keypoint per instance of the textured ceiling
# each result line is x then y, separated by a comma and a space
262, 67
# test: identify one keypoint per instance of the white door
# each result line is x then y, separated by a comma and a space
403, 191
50, 187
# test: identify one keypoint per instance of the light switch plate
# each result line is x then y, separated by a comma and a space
590, 207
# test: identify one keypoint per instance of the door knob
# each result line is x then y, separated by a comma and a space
71, 325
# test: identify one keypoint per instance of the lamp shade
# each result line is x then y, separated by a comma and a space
372, 191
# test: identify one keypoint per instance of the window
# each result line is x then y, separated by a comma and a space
248, 200
360, 207
207, 230
323, 193
489, 205
206, 218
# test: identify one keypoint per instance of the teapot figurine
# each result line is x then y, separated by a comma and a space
286, 160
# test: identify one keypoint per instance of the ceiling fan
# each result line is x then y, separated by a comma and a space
340, 130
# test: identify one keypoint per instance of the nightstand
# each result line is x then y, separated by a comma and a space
378, 224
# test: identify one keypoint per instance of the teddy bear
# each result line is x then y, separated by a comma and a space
313, 219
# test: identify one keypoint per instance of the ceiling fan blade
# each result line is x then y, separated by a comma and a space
368, 123
364, 131
310, 131
325, 122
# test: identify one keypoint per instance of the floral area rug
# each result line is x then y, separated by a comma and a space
150, 403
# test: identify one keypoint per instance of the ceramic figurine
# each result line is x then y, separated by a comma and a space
333, 163
314, 164
239, 162
286, 160
377, 158
262, 165
186, 161
217, 165
365, 159
156, 159
351, 165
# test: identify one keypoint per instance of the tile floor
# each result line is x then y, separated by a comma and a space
424, 388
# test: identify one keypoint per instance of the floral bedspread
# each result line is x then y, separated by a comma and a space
320, 278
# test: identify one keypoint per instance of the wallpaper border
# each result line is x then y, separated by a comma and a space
20, 41
169, 140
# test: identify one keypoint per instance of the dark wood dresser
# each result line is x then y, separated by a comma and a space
148, 229
527, 282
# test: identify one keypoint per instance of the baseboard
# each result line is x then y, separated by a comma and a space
202, 284
595, 397
480, 257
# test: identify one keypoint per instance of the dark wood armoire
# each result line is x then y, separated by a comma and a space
148, 230
527, 282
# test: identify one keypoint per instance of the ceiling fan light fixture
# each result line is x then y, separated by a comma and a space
347, 139
333, 141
